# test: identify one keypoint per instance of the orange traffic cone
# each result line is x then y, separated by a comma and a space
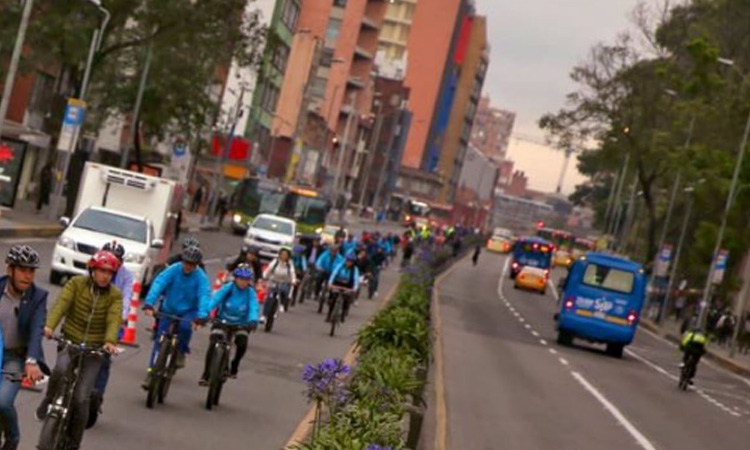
128, 336
221, 277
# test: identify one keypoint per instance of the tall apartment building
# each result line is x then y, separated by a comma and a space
493, 128
392, 56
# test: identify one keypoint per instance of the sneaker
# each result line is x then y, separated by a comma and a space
180, 363
41, 410
233, 371
282, 309
203, 382
262, 320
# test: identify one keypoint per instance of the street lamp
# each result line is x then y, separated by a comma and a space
705, 300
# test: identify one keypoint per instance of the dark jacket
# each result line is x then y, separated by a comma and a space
31, 318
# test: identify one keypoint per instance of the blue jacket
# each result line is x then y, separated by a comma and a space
32, 316
182, 293
236, 306
349, 247
300, 263
326, 264
342, 275
124, 282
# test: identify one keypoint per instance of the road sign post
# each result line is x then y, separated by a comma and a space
75, 114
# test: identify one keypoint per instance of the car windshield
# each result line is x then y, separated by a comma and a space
113, 225
609, 278
277, 226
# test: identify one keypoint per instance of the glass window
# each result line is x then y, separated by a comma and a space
326, 57
339, 3
332, 32
290, 14
318, 87
281, 57
277, 226
609, 278
113, 225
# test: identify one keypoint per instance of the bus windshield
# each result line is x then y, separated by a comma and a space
417, 209
255, 197
533, 253
307, 210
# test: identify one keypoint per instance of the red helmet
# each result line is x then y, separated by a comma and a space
104, 260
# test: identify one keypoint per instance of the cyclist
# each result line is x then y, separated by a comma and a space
92, 308
693, 344
350, 246
300, 267
189, 241
329, 260
237, 305
23, 311
345, 275
281, 272
248, 255
185, 291
378, 260
123, 281
364, 265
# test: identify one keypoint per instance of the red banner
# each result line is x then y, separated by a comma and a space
240, 150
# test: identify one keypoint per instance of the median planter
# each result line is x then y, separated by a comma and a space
379, 402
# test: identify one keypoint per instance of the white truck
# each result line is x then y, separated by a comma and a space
113, 204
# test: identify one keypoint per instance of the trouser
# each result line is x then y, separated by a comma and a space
686, 355
374, 281
82, 396
240, 344
103, 377
184, 334
13, 364
320, 280
282, 296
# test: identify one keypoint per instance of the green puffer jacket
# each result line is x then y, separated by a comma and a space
76, 302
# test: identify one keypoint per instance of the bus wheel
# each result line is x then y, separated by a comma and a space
564, 338
615, 350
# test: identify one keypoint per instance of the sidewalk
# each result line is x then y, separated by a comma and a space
24, 221
670, 330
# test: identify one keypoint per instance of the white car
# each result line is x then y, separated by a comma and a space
269, 233
328, 234
93, 228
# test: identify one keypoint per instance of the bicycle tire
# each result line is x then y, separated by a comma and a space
51, 436
169, 372
223, 378
214, 376
272, 313
321, 301
157, 372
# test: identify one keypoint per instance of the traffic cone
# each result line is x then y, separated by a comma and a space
219, 281
128, 337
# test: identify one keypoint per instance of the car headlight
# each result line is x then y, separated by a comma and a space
136, 258
318, 230
237, 218
67, 243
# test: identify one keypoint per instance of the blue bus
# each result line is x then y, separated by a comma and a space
601, 302
531, 251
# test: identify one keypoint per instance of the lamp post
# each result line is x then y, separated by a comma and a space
705, 300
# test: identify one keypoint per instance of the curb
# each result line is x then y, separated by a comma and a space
31, 231
721, 360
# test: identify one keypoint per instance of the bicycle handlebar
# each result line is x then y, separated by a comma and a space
82, 346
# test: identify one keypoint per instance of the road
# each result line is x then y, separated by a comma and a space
508, 384
259, 410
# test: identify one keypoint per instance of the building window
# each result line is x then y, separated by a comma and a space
270, 97
318, 87
339, 3
280, 56
333, 31
290, 14
326, 57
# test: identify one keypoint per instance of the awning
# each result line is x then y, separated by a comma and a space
21, 132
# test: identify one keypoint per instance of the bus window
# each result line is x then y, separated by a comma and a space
609, 278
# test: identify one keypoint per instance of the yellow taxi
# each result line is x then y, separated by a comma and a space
563, 258
532, 278
499, 244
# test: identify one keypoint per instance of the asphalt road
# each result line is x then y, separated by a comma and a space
509, 385
259, 410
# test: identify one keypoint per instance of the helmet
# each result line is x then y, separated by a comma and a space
192, 255
115, 248
351, 257
243, 271
22, 256
298, 249
104, 260
190, 241
250, 249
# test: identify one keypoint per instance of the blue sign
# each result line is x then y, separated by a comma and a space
721, 266
74, 115
180, 148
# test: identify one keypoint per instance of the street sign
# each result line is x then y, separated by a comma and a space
721, 267
180, 148
663, 262
75, 113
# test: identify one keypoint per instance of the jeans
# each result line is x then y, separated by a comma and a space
8, 391
103, 378
82, 396
184, 334
282, 293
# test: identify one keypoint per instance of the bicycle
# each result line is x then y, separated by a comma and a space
218, 371
272, 305
336, 308
166, 362
54, 434
323, 293
302, 290
688, 371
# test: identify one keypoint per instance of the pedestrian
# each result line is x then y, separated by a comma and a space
477, 251
45, 186
679, 305
23, 311
408, 252
222, 207
197, 199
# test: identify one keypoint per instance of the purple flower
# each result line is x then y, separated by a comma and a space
377, 447
325, 381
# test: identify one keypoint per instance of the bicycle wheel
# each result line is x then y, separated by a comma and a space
335, 314
157, 372
170, 367
214, 376
321, 301
51, 436
223, 377
94, 407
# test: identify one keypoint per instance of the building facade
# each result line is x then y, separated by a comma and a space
492, 130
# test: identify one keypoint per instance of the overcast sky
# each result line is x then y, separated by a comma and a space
535, 44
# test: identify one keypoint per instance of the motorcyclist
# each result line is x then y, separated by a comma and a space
23, 311
236, 304
345, 275
185, 291
123, 280
693, 344
329, 260
280, 272
92, 308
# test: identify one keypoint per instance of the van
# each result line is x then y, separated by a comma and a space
601, 302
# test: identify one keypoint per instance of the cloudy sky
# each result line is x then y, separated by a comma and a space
535, 43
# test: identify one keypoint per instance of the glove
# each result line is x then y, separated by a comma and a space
252, 326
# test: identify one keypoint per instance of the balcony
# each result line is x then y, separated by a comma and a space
370, 23
361, 53
356, 82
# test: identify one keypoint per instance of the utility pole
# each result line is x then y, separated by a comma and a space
137, 108
10, 78
618, 199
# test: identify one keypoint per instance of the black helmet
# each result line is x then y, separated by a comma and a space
250, 249
22, 256
190, 241
192, 255
115, 248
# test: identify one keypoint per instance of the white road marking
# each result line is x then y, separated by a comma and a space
527, 326
564, 362
554, 290
535, 334
521, 319
612, 409
553, 351
542, 341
